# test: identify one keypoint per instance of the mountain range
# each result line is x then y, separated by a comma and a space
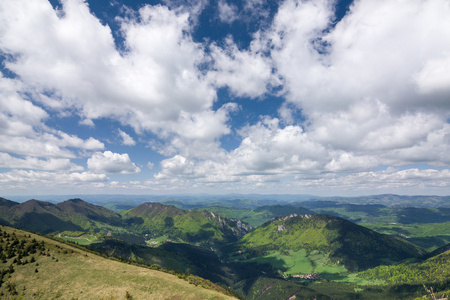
290, 242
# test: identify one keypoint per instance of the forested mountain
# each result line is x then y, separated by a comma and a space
343, 242
70, 215
155, 219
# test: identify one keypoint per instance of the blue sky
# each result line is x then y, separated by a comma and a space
161, 97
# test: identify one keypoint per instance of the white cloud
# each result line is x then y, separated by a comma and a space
389, 181
151, 86
434, 77
126, 138
73, 141
33, 147
248, 73
207, 125
47, 145
40, 181
109, 162
374, 52
228, 13
174, 166
52, 164
18, 116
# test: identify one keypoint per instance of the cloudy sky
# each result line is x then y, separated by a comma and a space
217, 96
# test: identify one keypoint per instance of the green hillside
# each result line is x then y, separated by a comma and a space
35, 267
432, 273
331, 240
155, 220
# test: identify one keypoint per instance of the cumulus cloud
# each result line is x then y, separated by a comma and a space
147, 87
109, 162
387, 181
52, 164
371, 94
360, 57
248, 73
434, 76
126, 138
31, 181
23, 132
367, 89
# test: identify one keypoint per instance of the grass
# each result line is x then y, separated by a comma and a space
70, 273
158, 240
84, 239
300, 262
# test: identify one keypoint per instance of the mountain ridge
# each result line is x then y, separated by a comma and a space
188, 225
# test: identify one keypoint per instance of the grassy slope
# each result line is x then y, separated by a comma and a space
81, 275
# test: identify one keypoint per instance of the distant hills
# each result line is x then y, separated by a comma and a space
247, 201
378, 213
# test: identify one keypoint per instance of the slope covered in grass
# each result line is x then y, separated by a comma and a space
37, 267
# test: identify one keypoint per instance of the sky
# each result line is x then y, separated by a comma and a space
323, 97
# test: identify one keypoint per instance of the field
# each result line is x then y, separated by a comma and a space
157, 240
299, 262
61, 271
81, 239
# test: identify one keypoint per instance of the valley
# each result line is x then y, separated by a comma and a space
315, 249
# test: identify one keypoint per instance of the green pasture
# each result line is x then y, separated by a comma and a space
159, 239
300, 262
83, 239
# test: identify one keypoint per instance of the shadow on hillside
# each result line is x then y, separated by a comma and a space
430, 242
412, 215
45, 223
